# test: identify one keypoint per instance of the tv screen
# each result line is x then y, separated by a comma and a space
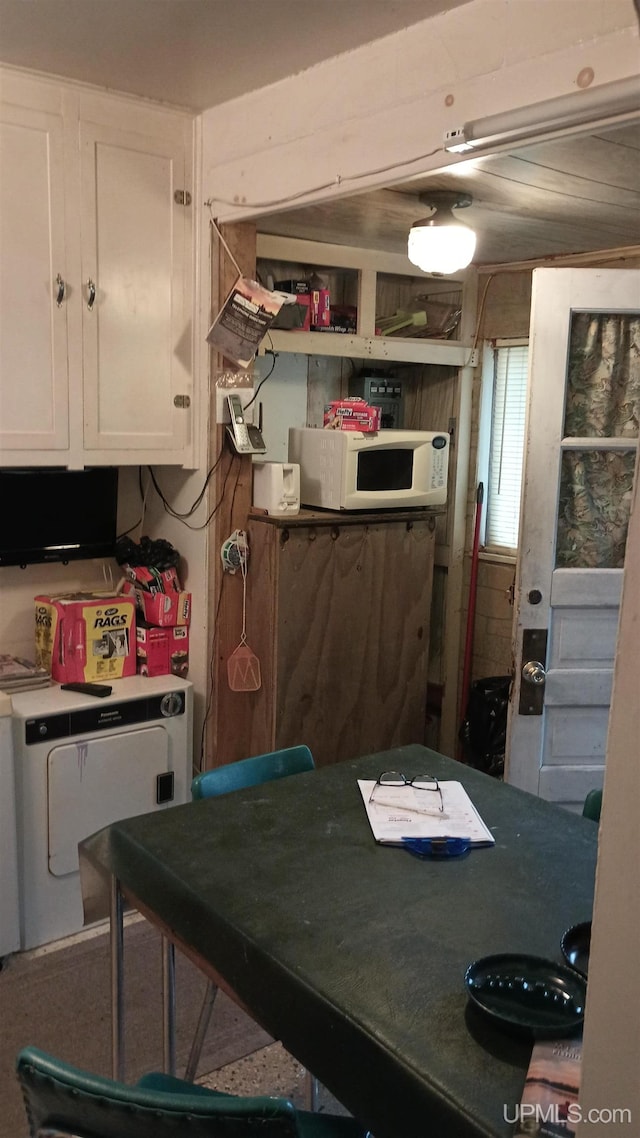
57, 515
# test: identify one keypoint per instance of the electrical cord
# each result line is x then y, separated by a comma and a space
339, 180
143, 499
182, 517
269, 352
179, 515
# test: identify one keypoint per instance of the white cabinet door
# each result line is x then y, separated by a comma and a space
33, 284
135, 316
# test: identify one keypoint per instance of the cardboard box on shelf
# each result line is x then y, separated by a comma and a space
351, 414
320, 309
343, 318
162, 651
294, 317
86, 637
291, 285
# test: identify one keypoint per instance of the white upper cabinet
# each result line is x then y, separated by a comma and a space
136, 364
96, 303
33, 273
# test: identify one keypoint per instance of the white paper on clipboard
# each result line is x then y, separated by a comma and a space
398, 812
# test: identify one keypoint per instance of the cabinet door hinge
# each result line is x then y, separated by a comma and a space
182, 197
182, 401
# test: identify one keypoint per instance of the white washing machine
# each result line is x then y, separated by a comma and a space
9, 921
80, 763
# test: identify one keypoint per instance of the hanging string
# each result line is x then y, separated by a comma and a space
243, 570
222, 240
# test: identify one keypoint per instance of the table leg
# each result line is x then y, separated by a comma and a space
168, 1007
116, 940
312, 1092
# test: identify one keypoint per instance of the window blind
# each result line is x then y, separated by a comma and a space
507, 446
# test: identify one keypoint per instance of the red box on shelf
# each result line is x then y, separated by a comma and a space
320, 309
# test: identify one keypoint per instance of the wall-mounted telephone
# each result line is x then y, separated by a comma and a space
246, 438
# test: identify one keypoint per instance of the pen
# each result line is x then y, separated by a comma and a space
407, 808
437, 847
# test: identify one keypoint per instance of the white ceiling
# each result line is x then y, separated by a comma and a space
194, 53
577, 195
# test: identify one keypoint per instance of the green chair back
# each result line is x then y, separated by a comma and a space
592, 805
71, 1101
252, 772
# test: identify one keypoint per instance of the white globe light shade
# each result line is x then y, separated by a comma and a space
437, 248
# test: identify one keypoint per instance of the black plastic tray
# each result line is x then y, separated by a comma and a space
576, 945
527, 994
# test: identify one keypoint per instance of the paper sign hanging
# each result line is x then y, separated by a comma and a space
243, 320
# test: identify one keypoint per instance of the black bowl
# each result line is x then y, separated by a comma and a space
527, 994
576, 945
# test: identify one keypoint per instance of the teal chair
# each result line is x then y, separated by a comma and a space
592, 805
223, 780
62, 1100
252, 772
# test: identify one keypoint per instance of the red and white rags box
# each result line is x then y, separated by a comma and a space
162, 651
86, 637
351, 414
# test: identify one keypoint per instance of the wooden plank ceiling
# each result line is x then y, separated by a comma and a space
576, 195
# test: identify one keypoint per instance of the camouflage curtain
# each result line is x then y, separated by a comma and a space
603, 401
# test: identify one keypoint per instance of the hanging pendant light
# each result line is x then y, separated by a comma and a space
440, 243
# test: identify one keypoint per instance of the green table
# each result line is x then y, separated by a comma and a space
354, 954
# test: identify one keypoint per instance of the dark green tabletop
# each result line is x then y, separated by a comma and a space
354, 954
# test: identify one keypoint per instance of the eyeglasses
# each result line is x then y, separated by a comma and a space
394, 779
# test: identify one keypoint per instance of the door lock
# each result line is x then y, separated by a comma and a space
534, 672
532, 688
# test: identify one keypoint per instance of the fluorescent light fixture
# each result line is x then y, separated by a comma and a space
441, 244
608, 105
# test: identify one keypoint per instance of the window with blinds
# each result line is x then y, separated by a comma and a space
506, 446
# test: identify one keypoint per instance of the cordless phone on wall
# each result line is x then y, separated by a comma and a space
246, 438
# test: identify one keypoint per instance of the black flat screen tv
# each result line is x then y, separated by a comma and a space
51, 514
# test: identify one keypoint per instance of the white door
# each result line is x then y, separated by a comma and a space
33, 285
135, 291
582, 427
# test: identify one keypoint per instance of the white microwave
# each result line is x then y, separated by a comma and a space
350, 470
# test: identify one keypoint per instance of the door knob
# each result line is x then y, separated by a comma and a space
534, 672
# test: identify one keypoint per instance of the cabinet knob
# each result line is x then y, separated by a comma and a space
60, 291
91, 294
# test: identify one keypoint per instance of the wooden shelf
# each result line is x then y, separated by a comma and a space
307, 517
363, 344
450, 352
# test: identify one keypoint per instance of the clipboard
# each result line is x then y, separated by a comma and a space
398, 812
